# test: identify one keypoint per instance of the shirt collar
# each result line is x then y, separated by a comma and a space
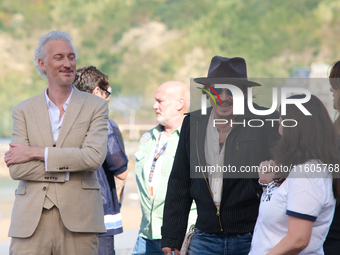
211, 130
158, 129
50, 103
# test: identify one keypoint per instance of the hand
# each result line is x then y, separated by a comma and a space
266, 173
167, 251
19, 153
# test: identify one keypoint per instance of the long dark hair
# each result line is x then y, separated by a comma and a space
314, 137
334, 80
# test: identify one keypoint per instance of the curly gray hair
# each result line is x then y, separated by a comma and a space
43, 40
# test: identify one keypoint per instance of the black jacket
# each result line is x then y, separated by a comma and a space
245, 146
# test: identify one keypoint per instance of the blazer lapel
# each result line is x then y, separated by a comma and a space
43, 119
71, 114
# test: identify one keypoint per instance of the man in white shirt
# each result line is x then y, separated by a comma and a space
58, 142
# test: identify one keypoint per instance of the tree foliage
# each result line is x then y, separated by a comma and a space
142, 43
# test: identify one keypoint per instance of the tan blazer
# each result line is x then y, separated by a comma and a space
80, 149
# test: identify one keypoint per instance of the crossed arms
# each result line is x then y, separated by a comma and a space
84, 149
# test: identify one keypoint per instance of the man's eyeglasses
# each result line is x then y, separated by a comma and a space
219, 91
107, 93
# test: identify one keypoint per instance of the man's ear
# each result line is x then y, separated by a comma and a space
41, 63
96, 91
180, 103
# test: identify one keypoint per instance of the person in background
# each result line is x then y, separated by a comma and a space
120, 184
332, 243
154, 159
297, 207
91, 80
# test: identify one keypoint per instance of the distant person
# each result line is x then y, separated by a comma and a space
91, 80
332, 243
154, 159
297, 207
58, 142
97, 83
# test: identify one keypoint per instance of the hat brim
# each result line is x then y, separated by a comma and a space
234, 81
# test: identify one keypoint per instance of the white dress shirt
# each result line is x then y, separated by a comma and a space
54, 113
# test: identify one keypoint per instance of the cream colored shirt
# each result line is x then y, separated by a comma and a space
214, 157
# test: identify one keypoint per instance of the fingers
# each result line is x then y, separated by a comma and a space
167, 251
10, 148
266, 173
265, 166
7, 157
8, 161
18, 153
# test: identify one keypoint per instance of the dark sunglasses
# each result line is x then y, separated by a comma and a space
107, 93
219, 91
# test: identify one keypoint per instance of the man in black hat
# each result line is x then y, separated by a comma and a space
227, 201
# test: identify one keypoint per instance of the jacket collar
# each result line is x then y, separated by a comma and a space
74, 107
43, 119
159, 128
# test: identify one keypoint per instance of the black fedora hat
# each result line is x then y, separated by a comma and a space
227, 70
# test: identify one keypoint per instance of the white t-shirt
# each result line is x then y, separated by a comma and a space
301, 195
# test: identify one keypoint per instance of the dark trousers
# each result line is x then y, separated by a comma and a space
106, 245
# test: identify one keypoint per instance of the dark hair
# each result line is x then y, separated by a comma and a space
314, 137
334, 80
88, 78
335, 73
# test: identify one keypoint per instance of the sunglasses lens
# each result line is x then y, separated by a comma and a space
219, 91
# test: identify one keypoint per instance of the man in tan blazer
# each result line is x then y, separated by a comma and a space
58, 141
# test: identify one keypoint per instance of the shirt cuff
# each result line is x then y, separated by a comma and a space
301, 215
46, 157
67, 176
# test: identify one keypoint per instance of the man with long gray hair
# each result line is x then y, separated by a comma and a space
58, 142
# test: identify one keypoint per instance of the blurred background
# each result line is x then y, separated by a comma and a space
140, 44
